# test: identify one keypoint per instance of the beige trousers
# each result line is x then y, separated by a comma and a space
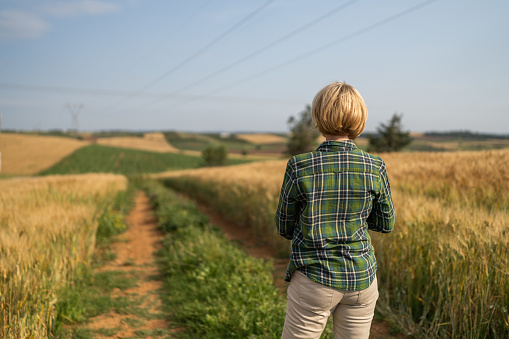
310, 304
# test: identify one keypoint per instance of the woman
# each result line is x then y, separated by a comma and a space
329, 200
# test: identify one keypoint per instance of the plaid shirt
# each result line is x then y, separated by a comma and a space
329, 200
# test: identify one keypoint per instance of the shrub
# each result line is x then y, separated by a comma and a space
215, 155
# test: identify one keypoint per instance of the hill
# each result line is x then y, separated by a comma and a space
25, 154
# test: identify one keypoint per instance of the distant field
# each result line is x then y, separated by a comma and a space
154, 142
448, 144
105, 159
262, 138
24, 154
200, 141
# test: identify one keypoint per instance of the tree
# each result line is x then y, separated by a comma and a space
303, 135
390, 137
214, 155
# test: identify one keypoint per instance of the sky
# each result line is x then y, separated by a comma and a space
248, 65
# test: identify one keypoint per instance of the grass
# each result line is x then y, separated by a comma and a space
213, 288
443, 272
104, 159
90, 295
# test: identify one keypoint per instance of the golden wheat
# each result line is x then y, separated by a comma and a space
465, 178
47, 228
153, 142
29, 154
262, 138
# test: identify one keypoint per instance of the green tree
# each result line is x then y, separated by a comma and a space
215, 155
390, 137
303, 135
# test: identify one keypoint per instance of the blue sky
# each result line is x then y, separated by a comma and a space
201, 65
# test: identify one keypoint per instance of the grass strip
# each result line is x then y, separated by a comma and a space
89, 293
213, 288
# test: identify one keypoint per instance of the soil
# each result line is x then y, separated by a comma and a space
247, 240
135, 254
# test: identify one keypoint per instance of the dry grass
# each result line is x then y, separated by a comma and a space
445, 268
262, 138
154, 142
29, 154
48, 228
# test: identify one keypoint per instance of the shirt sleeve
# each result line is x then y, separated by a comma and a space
288, 209
382, 217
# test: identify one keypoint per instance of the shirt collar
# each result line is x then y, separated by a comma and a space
336, 146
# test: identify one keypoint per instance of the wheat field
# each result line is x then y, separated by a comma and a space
261, 138
24, 154
444, 271
47, 230
153, 142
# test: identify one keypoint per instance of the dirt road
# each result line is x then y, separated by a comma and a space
134, 252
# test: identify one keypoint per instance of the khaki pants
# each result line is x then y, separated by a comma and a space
310, 304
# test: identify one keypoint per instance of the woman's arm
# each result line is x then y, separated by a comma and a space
288, 208
382, 215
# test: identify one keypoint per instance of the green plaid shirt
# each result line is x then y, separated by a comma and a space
329, 200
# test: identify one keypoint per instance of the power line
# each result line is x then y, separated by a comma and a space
265, 48
64, 89
259, 51
110, 92
210, 44
272, 44
173, 33
199, 52
324, 47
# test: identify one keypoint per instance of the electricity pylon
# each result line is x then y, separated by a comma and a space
75, 112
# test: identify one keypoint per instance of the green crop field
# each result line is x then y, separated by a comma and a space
105, 159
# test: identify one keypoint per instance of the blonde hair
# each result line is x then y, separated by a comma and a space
338, 109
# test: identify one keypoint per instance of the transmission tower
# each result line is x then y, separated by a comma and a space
75, 112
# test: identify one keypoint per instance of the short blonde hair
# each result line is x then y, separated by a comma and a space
338, 109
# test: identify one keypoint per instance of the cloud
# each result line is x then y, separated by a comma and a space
21, 24
90, 7
16, 24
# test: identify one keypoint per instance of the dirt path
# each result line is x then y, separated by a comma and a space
135, 254
244, 236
